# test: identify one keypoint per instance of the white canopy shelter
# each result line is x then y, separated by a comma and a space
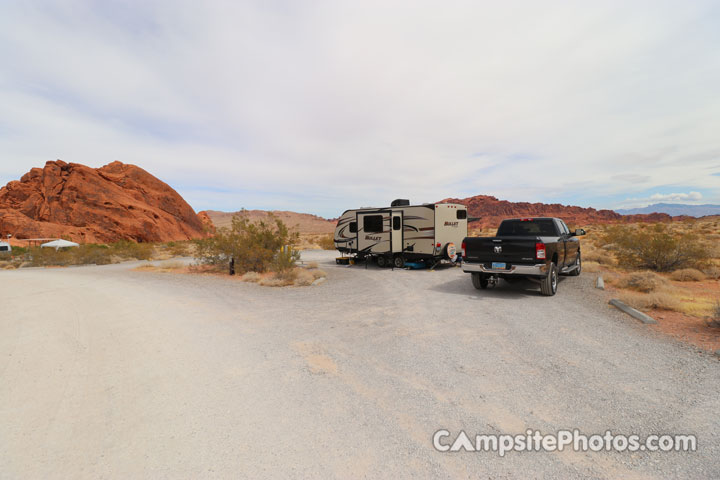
59, 244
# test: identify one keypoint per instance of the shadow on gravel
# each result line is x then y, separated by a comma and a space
509, 290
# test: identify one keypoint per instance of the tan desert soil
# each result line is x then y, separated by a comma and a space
106, 372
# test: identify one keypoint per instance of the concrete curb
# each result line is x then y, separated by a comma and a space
600, 283
631, 311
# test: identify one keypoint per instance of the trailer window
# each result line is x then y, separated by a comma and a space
4, 248
373, 224
396, 223
461, 214
353, 227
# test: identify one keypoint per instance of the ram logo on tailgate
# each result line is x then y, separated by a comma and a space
497, 249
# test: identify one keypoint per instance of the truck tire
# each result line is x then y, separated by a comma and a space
399, 261
382, 261
548, 285
578, 264
479, 281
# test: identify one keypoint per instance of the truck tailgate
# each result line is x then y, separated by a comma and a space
510, 250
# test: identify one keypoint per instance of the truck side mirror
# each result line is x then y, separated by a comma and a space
579, 231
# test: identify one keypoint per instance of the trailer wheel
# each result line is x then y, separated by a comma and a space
479, 281
399, 261
450, 252
382, 261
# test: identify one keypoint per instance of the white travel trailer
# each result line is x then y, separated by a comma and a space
428, 232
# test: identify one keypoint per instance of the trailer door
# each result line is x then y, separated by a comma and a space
397, 232
374, 231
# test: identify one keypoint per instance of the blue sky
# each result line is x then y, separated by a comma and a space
320, 106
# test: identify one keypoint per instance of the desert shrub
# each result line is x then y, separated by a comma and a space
712, 272
649, 301
655, 248
687, 275
19, 251
642, 282
128, 250
256, 247
285, 259
715, 320
327, 242
312, 265
91, 254
178, 249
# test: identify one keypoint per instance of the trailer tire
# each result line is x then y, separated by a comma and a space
450, 252
479, 281
548, 285
399, 261
382, 261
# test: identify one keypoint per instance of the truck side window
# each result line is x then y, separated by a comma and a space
353, 227
373, 224
566, 230
461, 214
396, 223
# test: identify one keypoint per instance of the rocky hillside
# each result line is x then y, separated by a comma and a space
491, 211
85, 204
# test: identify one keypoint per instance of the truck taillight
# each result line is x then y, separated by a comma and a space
540, 251
462, 249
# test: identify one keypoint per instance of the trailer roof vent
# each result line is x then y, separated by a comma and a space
400, 202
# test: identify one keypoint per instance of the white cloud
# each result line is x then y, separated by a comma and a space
676, 197
325, 105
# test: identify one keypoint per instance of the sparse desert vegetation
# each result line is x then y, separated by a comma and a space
670, 270
262, 252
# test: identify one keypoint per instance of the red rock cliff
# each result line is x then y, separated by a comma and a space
85, 204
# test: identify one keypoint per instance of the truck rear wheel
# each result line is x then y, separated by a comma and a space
578, 266
548, 285
479, 281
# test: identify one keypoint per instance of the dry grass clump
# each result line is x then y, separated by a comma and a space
252, 277
166, 267
649, 301
644, 282
312, 265
590, 266
299, 277
687, 275
304, 278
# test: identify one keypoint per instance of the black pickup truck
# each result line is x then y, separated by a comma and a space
534, 248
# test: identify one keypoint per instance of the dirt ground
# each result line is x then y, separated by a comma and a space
109, 372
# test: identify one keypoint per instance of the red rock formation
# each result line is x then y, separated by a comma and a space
85, 204
492, 211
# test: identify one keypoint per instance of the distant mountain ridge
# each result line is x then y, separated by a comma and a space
305, 223
490, 212
674, 209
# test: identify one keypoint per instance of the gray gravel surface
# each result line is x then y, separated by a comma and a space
106, 372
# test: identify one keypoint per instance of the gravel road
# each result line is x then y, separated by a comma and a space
106, 372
